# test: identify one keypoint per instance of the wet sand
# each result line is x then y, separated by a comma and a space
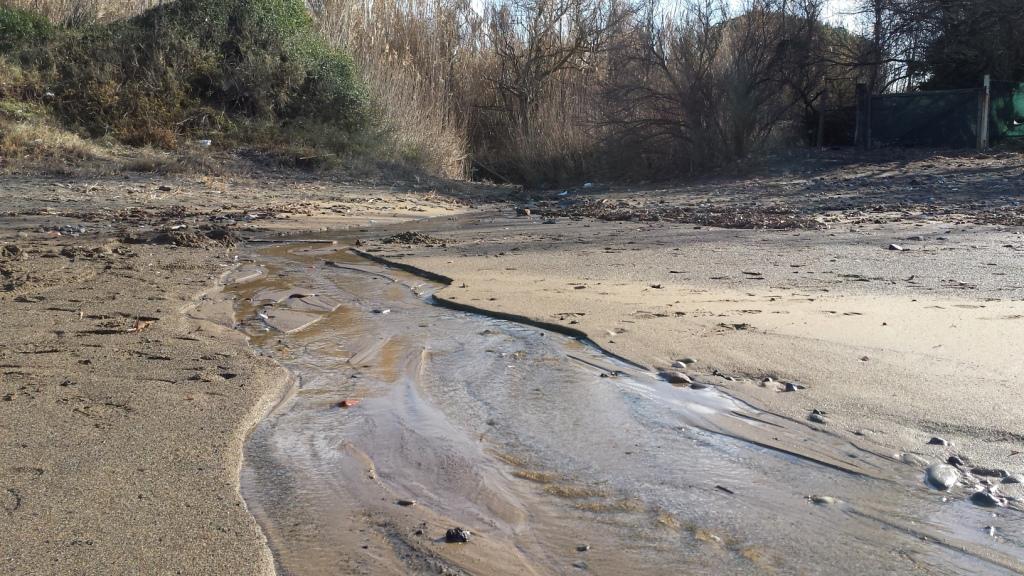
898, 346
408, 419
125, 393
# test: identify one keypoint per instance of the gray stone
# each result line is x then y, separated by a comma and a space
912, 459
943, 476
676, 378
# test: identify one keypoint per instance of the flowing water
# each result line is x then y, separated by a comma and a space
558, 458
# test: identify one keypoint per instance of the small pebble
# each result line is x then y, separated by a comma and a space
936, 441
583, 548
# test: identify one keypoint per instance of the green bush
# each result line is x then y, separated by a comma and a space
19, 27
201, 67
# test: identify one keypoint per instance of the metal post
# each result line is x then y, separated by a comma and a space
863, 136
821, 118
984, 103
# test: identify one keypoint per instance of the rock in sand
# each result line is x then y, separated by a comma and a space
989, 472
988, 499
457, 535
913, 459
676, 378
943, 476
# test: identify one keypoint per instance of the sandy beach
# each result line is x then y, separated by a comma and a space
126, 396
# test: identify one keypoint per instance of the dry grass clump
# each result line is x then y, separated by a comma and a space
37, 142
30, 139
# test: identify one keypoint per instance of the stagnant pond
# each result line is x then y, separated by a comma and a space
407, 419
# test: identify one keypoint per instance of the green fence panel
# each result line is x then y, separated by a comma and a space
938, 119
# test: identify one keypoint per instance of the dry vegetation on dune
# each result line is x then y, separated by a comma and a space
539, 92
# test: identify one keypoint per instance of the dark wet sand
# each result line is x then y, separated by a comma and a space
501, 429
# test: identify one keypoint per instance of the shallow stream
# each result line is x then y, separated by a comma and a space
558, 458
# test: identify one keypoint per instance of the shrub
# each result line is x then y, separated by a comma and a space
18, 27
200, 67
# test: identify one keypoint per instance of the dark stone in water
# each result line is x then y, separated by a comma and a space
698, 386
406, 502
583, 547
955, 461
456, 535
936, 441
987, 499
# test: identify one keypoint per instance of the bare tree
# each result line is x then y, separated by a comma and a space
535, 39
